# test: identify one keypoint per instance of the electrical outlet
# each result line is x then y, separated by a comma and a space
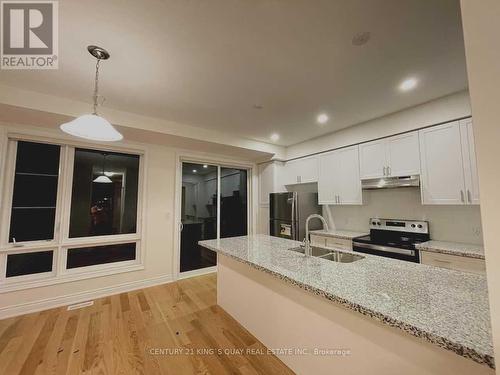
476, 231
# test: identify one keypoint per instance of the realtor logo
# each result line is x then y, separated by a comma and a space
29, 35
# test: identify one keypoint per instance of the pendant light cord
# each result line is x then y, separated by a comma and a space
96, 85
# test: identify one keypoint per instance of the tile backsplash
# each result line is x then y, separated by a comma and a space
447, 222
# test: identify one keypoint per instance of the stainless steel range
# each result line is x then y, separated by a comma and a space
393, 238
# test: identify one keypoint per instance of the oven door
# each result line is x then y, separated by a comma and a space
410, 255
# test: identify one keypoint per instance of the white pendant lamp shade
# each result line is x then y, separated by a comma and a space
92, 127
102, 179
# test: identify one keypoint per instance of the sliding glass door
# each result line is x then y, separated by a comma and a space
233, 203
214, 204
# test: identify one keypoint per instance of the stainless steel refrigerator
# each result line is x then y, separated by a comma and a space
288, 214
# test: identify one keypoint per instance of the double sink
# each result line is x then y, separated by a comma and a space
329, 254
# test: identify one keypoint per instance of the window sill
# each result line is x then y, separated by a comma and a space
13, 285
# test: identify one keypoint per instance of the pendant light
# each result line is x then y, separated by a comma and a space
103, 179
92, 126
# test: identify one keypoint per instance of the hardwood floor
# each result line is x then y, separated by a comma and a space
137, 333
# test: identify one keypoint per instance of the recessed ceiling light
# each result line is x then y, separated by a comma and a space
194, 171
274, 137
257, 106
322, 118
205, 166
408, 84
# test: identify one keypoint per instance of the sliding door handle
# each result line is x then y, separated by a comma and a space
462, 196
469, 196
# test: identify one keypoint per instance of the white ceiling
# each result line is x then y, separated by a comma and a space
206, 63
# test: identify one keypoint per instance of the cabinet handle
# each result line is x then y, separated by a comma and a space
388, 171
469, 196
462, 196
384, 170
339, 198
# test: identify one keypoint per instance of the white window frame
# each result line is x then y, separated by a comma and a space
61, 242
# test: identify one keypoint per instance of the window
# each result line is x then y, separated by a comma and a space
91, 256
104, 198
68, 208
29, 263
35, 192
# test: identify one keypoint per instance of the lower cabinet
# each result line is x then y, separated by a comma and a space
333, 242
453, 262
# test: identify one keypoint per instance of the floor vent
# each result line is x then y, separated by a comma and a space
80, 305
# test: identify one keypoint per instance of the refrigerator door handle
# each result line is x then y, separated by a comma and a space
293, 219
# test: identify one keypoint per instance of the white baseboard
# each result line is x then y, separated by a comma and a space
50, 303
201, 271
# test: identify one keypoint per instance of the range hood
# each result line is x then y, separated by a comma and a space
391, 182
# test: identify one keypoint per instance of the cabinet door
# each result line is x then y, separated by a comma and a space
441, 162
469, 160
269, 176
308, 169
373, 159
328, 177
403, 155
290, 173
348, 181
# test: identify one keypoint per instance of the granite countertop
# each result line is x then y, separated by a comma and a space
445, 307
453, 248
339, 233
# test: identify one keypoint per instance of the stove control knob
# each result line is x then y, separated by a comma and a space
413, 225
379, 223
374, 223
420, 225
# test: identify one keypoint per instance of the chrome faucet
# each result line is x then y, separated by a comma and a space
307, 242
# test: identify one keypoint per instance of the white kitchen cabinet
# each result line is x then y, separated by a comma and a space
446, 164
469, 162
269, 177
390, 157
338, 181
300, 171
453, 262
372, 159
403, 155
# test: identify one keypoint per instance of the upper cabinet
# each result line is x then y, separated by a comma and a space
469, 160
390, 157
339, 181
300, 171
269, 176
449, 174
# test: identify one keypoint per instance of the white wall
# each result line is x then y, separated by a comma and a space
447, 223
481, 31
440, 110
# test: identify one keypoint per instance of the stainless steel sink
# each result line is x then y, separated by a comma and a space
338, 256
330, 254
315, 251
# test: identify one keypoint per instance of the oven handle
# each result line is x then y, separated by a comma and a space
383, 248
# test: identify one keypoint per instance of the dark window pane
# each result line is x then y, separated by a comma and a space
199, 215
32, 224
37, 158
104, 208
35, 192
233, 202
29, 263
91, 256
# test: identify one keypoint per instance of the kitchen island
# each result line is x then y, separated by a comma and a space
374, 315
